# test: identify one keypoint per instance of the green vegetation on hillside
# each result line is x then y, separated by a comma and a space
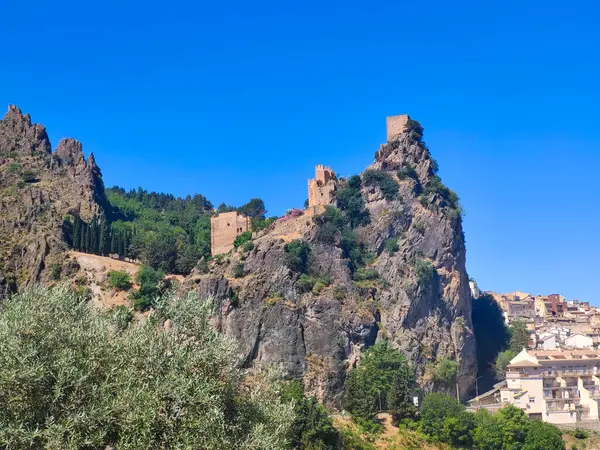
383, 180
518, 340
383, 381
166, 232
444, 420
80, 383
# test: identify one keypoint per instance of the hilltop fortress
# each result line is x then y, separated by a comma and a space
225, 227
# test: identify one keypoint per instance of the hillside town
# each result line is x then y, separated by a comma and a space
556, 378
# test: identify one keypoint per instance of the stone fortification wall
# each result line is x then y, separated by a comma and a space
321, 188
224, 228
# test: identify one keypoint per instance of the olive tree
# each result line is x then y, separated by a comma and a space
72, 378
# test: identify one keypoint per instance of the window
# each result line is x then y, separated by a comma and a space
531, 399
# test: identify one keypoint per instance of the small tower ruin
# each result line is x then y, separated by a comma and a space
224, 228
321, 189
396, 125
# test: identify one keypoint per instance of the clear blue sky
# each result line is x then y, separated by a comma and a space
241, 99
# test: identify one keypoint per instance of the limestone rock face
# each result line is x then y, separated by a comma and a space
38, 189
319, 336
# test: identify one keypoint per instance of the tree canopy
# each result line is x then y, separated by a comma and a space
383, 381
80, 382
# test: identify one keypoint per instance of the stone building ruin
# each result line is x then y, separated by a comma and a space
396, 125
224, 228
321, 189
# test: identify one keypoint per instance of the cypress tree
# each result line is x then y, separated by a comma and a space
76, 232
113, 241
83, 237
121, 244
88, 239
93, 247
104, 232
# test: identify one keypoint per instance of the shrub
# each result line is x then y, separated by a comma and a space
297, 254
68, 380
457, 430
241, 239
436, 408
29, 177
327, 233
121, 316
384, 181
502, 361
318, 287
366, 275
312, 429
55, 270
305, 283
543, 436
151, 285
445, 371
580, 434
14, 168
425, 272
238, 270
391, 245
339, 292
435, 186
248, 246
352, 204
119, 279
407, 171
234, 299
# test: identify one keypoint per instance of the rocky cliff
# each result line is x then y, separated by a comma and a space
38, 189
409, 283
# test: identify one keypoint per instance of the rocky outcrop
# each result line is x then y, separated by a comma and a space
38, 189
421, 302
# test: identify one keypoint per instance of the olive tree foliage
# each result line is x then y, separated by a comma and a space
71, 378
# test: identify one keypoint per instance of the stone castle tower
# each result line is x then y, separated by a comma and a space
321, 189
224, 228
396, 125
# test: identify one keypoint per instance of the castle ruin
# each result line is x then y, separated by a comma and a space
224, 228
321, 190
396, 125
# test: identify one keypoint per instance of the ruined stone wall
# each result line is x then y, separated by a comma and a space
396, 125
322, 187
224, 228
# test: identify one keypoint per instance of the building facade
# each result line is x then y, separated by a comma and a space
560, 387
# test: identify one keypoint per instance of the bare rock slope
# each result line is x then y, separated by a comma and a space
38, 188
413, 289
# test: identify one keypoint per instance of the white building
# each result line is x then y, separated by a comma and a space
579, 341
561, 387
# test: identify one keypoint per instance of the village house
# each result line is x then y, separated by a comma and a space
560, 387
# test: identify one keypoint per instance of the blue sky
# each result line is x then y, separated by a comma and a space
241, 99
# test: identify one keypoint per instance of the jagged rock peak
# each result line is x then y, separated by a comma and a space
70, 151
20, 135
405, 149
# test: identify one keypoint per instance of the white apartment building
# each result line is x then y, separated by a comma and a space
560, 387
